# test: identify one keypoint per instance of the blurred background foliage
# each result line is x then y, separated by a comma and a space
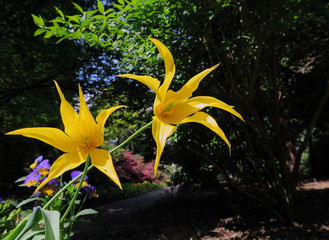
273, 57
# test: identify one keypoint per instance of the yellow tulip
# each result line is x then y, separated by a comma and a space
173, 108
80, 139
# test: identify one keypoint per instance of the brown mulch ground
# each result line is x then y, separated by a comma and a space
209, 216
312, 218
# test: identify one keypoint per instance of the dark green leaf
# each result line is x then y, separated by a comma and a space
87, 211
26, 201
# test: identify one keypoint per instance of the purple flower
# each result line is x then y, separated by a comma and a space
51, 187
43, 168
74, 174
32, 179
37, 194
91, 191
36, 162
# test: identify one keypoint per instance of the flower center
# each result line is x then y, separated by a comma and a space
164, 111
43, 171
87, 145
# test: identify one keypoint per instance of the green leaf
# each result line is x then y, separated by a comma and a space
51, 219
48, 35
78, 7
38, 237
74, 18
60, 40
31, 233
118, 6
38, 20
17, 230
26, 201
100, 7
109, 10
58, 20
90, 13
87, 211
31, 227
60, 12
122, 2
105, 23
22, 179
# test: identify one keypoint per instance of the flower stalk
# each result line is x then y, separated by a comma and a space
77, 191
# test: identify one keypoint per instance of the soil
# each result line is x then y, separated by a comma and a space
208, 216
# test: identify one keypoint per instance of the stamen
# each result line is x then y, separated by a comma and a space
86, 141
168, 107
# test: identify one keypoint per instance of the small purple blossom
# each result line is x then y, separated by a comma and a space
36, 162
91, 191
51, 187
74, 174
43, 168
32, 179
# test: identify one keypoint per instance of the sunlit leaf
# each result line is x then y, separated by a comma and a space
39, 31
78, 7
38, 20
48, 34
100, 7
60, 12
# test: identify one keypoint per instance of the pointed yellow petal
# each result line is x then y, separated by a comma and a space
161, 132
63, 164
186, 91
101, 120
169, 66
86, 120
209, 122
51, 136
102, 160
69, 116
104, 115
205, 101
151, 82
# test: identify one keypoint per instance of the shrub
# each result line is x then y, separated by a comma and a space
132, 168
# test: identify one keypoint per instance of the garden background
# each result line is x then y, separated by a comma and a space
273, 59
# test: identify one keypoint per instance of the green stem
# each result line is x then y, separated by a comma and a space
92, 166
77, 191
131, 137
63, 189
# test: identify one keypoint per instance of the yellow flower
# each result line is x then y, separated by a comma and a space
81, 138
172, 108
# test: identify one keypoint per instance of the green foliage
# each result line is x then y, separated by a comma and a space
50, 219
27, 95
9, 217
273, 58
98, 26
